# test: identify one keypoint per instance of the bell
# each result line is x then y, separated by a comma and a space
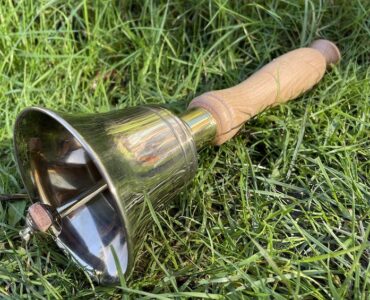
94, 178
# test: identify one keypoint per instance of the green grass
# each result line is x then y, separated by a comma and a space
281, 211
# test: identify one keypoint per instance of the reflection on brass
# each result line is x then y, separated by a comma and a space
202, 126
95, 173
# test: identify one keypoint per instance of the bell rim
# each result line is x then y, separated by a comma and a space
58, 117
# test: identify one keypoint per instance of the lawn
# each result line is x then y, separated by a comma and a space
281, 211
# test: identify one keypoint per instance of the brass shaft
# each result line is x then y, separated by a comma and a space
202, 125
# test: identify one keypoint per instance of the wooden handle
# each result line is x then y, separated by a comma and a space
283, 79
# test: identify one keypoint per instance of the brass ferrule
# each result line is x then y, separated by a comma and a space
202, 125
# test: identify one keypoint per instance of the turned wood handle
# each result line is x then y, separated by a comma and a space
283, 79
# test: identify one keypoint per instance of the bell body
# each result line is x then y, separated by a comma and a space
145, 155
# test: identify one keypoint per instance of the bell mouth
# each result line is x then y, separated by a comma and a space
57, 165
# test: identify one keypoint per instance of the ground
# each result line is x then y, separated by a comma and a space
281, 211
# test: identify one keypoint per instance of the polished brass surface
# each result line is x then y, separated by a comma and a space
81, 200
202, 125
142, 154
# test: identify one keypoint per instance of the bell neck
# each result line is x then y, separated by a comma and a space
202, 125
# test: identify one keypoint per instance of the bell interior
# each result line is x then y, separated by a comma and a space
57, 166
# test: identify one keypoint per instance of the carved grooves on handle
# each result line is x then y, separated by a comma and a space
283, 79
